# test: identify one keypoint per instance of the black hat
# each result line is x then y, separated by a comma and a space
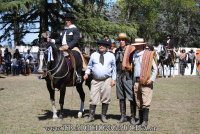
104, 42
70, 16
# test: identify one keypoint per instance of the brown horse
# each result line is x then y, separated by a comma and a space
167, 58
60, 74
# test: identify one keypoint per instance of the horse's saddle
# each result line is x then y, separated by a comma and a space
70, 58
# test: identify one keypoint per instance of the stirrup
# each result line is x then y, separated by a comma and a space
78, 78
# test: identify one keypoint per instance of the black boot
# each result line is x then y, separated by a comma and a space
139, 122
133, 112
122, 104
91, 114
145, 117
104, 111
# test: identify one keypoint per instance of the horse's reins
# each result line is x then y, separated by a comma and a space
52, 76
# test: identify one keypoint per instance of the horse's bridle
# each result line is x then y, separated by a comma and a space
49, 72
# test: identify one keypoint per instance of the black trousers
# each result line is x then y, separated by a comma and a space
79, 62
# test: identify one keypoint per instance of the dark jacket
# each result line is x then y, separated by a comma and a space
72, 37
17, 55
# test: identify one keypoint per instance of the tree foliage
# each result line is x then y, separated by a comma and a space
150, 19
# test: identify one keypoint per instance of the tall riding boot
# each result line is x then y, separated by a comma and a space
140, 117
104, 111
122, 104
91, 114
133, 112
79, 66
145, 117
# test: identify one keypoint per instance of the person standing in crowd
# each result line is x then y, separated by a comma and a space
145, 71
112, 48
69, 40
124, 83
107, 38
170, 42
28, 59
16, 62
103, 69
191, 59
182, 62
177, 52
1, 58
28, 55
7, 59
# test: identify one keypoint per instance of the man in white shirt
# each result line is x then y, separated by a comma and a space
145, 71
103, 69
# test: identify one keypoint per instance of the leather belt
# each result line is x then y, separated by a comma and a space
101, 79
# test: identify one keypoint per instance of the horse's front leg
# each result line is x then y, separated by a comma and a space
52, 98
79, 89
61, 101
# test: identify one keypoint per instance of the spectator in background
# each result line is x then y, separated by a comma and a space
7, 59
149, 47
170, 42
191, 59
182, 62
112, 48
28, 59
16, 62
17, 55
177, 52
28, 55
107, 38
1, 58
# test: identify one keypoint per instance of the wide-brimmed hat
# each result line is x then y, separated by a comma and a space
104, 43
122, 36
139, 41
44, 35
69, 16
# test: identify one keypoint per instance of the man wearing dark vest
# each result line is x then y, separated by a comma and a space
69, 39
124, 82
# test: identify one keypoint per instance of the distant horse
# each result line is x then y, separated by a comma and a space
167, 61
60, 75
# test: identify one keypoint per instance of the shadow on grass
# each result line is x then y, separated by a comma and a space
66, 113
47, 115
2, 77
2, 89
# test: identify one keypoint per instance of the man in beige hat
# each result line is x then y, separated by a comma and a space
145, 71
124, 82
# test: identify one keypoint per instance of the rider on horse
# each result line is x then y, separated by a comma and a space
69, 40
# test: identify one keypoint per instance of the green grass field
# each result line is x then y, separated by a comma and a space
25, 108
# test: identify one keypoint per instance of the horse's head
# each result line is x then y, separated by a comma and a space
46, 51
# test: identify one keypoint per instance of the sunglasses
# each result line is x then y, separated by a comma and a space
122, 40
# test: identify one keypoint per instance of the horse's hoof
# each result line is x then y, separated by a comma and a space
61, 116
80, 114
55, 117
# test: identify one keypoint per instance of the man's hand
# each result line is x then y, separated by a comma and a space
149, 82
113, 82
85, 76
64, 47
